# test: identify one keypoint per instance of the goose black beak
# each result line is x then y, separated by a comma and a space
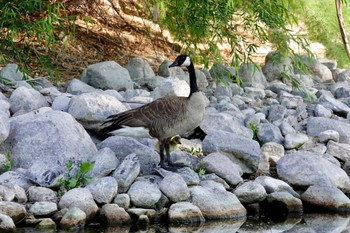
174, 64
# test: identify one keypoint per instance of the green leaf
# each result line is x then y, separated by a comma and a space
86, 166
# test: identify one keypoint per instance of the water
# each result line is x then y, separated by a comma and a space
309, 223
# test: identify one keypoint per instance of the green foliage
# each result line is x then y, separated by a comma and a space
30, 29
195, 151
9, 163
201, 171
79, 179
253, 127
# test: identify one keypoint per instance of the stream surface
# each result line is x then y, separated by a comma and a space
308, 223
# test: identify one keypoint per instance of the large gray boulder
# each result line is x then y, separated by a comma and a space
144, 194
77, 87
230, 144
172, 86
57, 136
24, 100
16, 211
107, 75
139, 69
185, 213
4, 120
127, 172
11, 71
252, 76
275, 65
304, 169
174, 187
103, 189
91, 109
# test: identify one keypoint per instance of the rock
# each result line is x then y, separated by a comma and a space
43, 208
271, 152
92, 109
77, 87
189, 175
14, 210
144, 194
15, 178
61, 103
283, 202
38, 173
254, 93
4, 125
317, 68
81, 198
6, 193
139, 69
278, 86
107, 75
165, 71
276, 113
20, 194
46, 223
321, 111
328, 135
185, 213
112, 214
174, 187
123, 146
341, 152
122, 200
6, 223
252, 76
250, 192
127, 172
275, 64
289, 101
73, 218
225, 122
343, 76
272, 185
306, 169
294, 141
172, 86
212, 185
326, 197
103, 189
24, 100
246, 157
12, 72
58, 139
41, 194
268, 132
222, 166
105, 163
216, 204
316, 125
333, 104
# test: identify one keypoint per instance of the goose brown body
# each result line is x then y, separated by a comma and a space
167, 116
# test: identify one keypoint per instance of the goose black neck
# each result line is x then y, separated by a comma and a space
193, 79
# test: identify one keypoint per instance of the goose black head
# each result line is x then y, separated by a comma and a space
182, 60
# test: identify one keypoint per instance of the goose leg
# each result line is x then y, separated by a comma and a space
170, 163
161, 153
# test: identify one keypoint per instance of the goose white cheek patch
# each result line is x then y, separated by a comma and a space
187, 62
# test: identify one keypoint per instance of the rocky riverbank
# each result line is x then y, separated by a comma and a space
263, 147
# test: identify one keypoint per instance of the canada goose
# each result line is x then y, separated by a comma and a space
164, 117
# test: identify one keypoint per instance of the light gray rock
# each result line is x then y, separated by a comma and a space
304, 169
284, 202
24, 100
271, 152
318, 69
246, 157
12, 72
278, 86
328, 135
112, 215
189, 175
40, 174
105, 163
144, 194
321, 111
268, 132
295, 140
185, 213
326, 197
103, 189
172, 86
6, 223
165, 71
217, 204
122, 200
222, 73
174, 187
275, 64
252, 76
153, 82
14, 210
286, 128
74, 217
123, 146
139, 69
4, 125
92, 109
41, 194
342, 92
211, 184
20, 194
6, 193
15, 178
127, 172
222, 166
107, 75
254, 93
77, 87
333, 104
272, 185
223, 90
276, 113
61, 103
80, 198
250, 192
289, 101
343, 76
341, 152
43, 208
316, 125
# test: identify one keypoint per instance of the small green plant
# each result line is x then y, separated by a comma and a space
79, 179
195, 151
201, 171
253, 127
9, 163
